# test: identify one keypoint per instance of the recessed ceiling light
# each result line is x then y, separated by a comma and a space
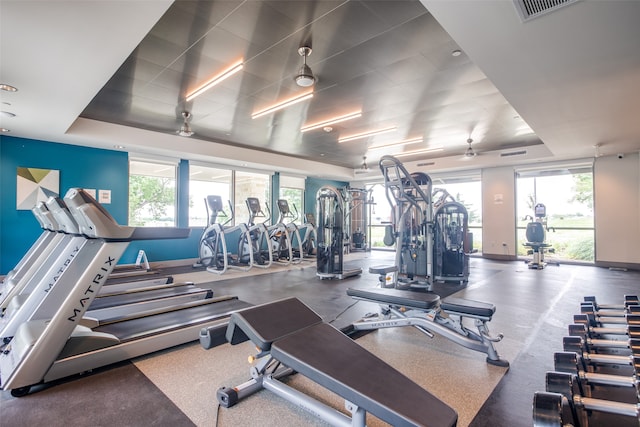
7, 114
367, 134
405, 142
119, 147
215, 80
456, 52
8, 88
331, 121
282, 104
4, 130
423, 151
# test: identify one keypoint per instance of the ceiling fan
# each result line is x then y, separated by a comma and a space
364, 168
470, 153
185, 129
305, 77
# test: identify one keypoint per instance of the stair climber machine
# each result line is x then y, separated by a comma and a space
331, 236
214, 249
303, 237
536, 237
278, 243
55, 339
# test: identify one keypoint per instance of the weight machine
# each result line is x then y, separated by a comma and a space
331, 235
450, 259
429, 230
357, 219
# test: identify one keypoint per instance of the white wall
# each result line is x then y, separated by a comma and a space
617, 209
498, 213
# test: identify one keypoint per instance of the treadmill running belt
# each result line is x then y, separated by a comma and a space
165, 322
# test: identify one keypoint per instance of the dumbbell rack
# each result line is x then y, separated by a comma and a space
596, 379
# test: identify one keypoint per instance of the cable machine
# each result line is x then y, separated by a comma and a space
409, 196
358, 218
450, 259
331, 235
429, 230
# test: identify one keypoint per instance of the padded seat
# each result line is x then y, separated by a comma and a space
296, 336
382, 269
328, 357
466, 306
418, 300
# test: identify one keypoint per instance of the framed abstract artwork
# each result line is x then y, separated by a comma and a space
35, 185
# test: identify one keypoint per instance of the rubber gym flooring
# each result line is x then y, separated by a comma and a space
176, 387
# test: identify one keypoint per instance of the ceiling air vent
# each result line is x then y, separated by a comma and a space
529, 9
514, 153
426, 164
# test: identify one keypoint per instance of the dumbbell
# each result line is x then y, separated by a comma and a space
628, 387
552, 410
630, 317
594, 329
582, 408
598, 362
598, 345
628, 300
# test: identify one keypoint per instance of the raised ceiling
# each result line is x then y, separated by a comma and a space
127, 67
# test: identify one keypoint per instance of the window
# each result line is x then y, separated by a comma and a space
205, 181
468, 191
152, 194
465, 190
292, 190
380, 215
567, 193
251, 184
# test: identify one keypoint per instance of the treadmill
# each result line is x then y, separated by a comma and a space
53, 343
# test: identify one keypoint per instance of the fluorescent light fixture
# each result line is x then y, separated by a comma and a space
396, 144
216, 79
283, 104
331, 121
366, 134
424, 150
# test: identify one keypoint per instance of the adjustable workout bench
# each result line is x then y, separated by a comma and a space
424, 311
292, 338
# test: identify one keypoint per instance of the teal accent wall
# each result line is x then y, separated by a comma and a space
79, 167
85, 168
97, 169
275, 195
312, 185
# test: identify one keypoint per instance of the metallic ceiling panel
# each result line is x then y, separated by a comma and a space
389, 59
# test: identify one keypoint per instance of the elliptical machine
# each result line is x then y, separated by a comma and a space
213, 243
275, 239
303, 238
536, 237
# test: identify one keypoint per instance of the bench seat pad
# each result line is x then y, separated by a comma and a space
325, 355
419, 300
